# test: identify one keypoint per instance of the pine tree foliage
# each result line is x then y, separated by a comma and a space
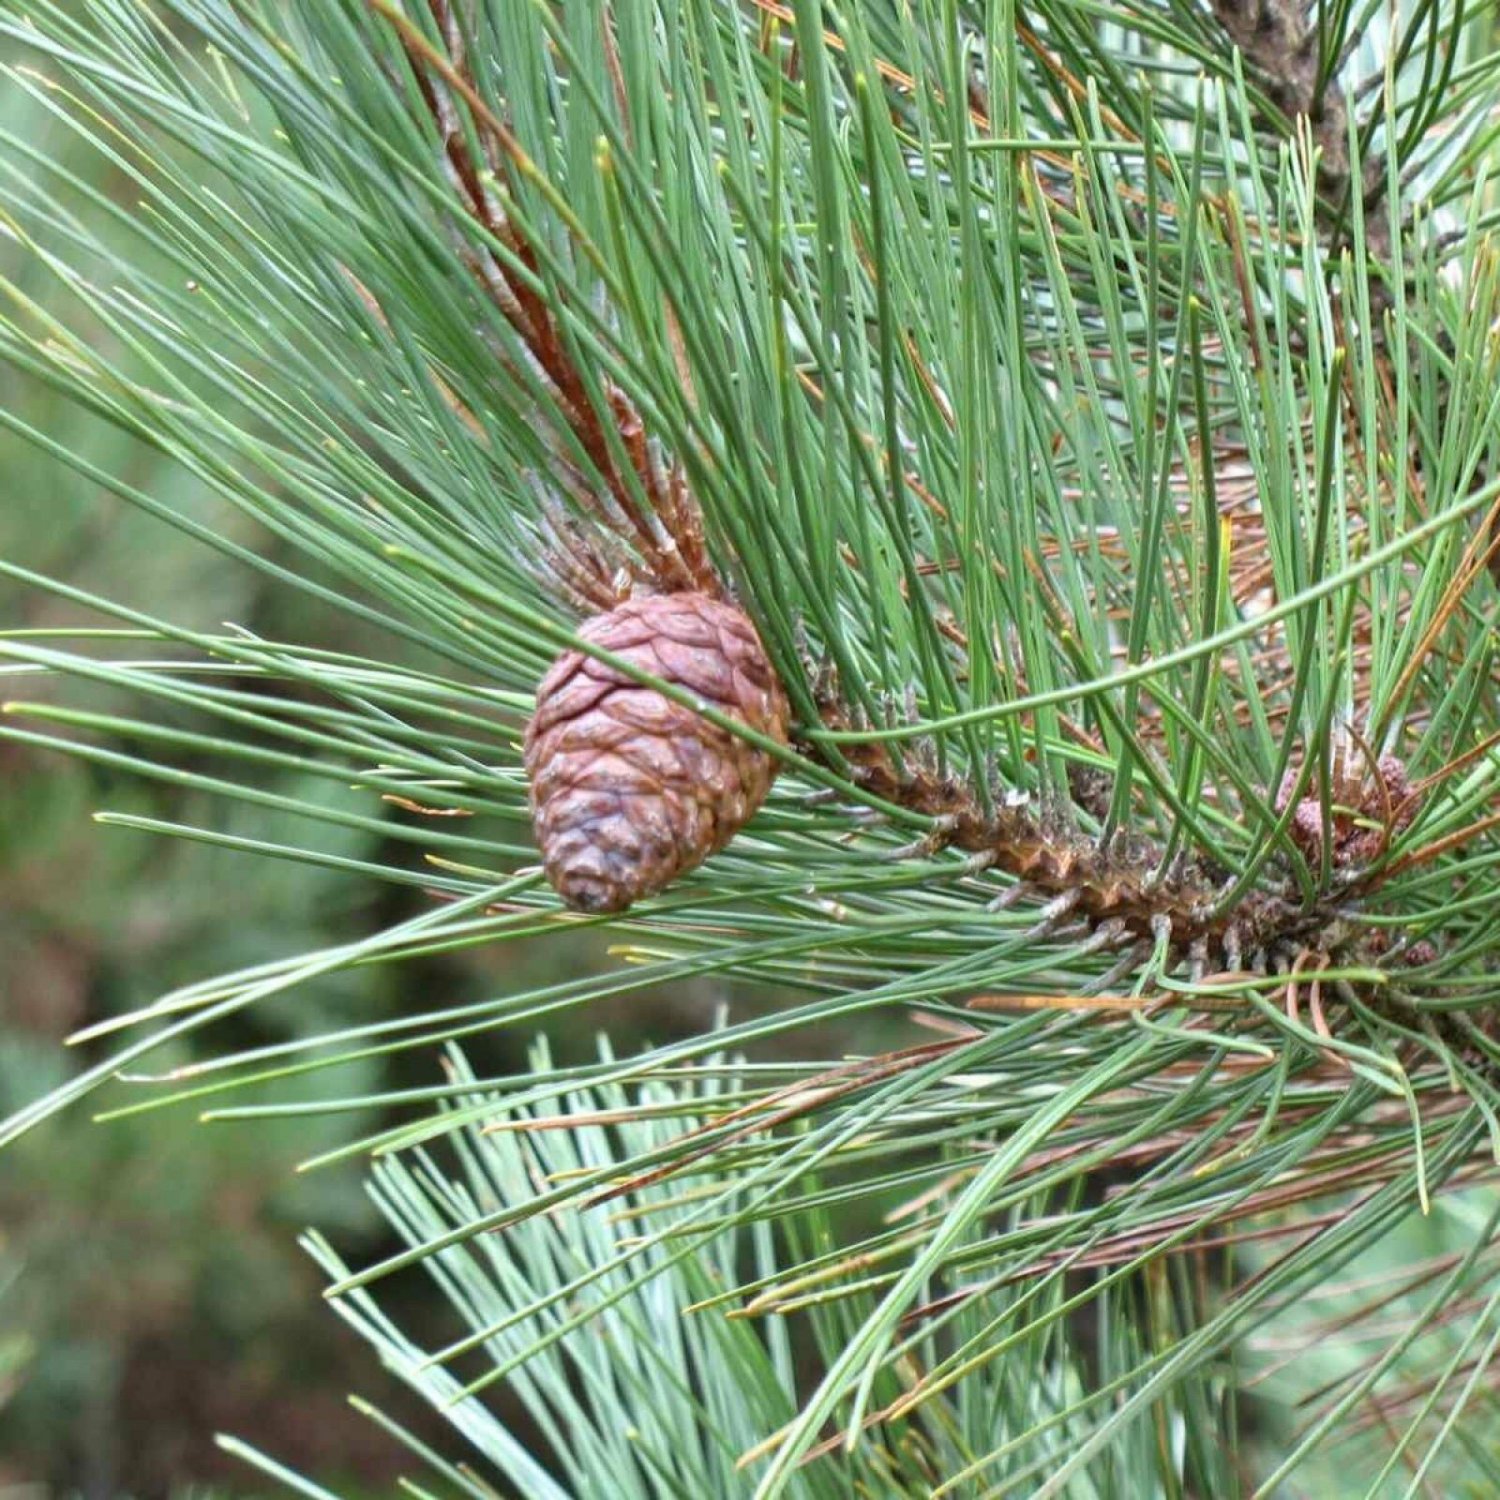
1096, 420
699, 1390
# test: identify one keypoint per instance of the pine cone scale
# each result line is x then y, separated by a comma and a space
630, 789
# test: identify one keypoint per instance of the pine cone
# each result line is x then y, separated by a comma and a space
628, 789
1364, 816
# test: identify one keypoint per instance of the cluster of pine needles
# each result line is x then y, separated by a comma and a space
1096, 410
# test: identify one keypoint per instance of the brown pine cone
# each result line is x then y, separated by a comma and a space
628, 789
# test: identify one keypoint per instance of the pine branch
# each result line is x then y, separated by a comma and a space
1129, 894
1200, 764
1126, 891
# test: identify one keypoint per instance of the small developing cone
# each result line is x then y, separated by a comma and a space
629, 790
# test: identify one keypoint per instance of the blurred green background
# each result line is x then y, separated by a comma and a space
151, 1289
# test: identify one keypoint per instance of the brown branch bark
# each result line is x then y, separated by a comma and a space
1280, 41
666, 533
